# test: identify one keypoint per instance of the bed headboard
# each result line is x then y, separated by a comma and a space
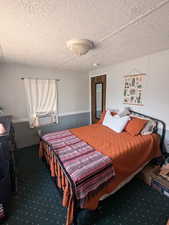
160, 129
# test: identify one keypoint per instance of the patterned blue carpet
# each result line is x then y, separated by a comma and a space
38, 203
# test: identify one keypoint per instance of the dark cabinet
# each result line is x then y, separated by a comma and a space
8, 181
5, 181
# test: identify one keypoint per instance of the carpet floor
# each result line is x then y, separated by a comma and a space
38, 203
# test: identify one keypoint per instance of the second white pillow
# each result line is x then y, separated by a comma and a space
115, 123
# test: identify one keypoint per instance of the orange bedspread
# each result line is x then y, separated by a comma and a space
128, 153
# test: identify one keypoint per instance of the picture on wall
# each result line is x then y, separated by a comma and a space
133, 88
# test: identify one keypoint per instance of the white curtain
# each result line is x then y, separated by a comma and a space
42, 100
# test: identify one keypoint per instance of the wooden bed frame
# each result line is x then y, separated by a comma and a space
160, 129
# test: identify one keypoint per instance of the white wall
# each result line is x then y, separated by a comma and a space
73, 89
155, 87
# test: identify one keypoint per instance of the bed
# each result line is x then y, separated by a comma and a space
124, 150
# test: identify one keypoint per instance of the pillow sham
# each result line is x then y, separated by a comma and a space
135, 125
115, 123
149, 127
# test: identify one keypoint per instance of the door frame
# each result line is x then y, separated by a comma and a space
93, 81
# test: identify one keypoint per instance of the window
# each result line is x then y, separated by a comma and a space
42, 101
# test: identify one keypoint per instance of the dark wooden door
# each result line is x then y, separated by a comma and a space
98, 96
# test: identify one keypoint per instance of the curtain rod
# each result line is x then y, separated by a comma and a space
36, 78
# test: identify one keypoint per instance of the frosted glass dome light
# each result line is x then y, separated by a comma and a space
80, 47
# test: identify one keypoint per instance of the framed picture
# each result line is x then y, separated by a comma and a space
133, 88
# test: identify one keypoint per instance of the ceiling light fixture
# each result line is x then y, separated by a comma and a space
80, 46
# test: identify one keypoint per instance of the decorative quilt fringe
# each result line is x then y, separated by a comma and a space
61, 180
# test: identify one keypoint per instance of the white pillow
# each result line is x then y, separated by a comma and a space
149, 127
115, 123
123, 112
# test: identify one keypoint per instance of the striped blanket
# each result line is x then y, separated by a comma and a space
89, 169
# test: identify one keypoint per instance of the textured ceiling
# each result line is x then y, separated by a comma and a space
35, 31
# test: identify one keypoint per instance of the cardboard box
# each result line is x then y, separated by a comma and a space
160, 183
151, 176
146, 173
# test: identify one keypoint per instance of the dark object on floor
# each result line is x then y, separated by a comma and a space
38, 202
